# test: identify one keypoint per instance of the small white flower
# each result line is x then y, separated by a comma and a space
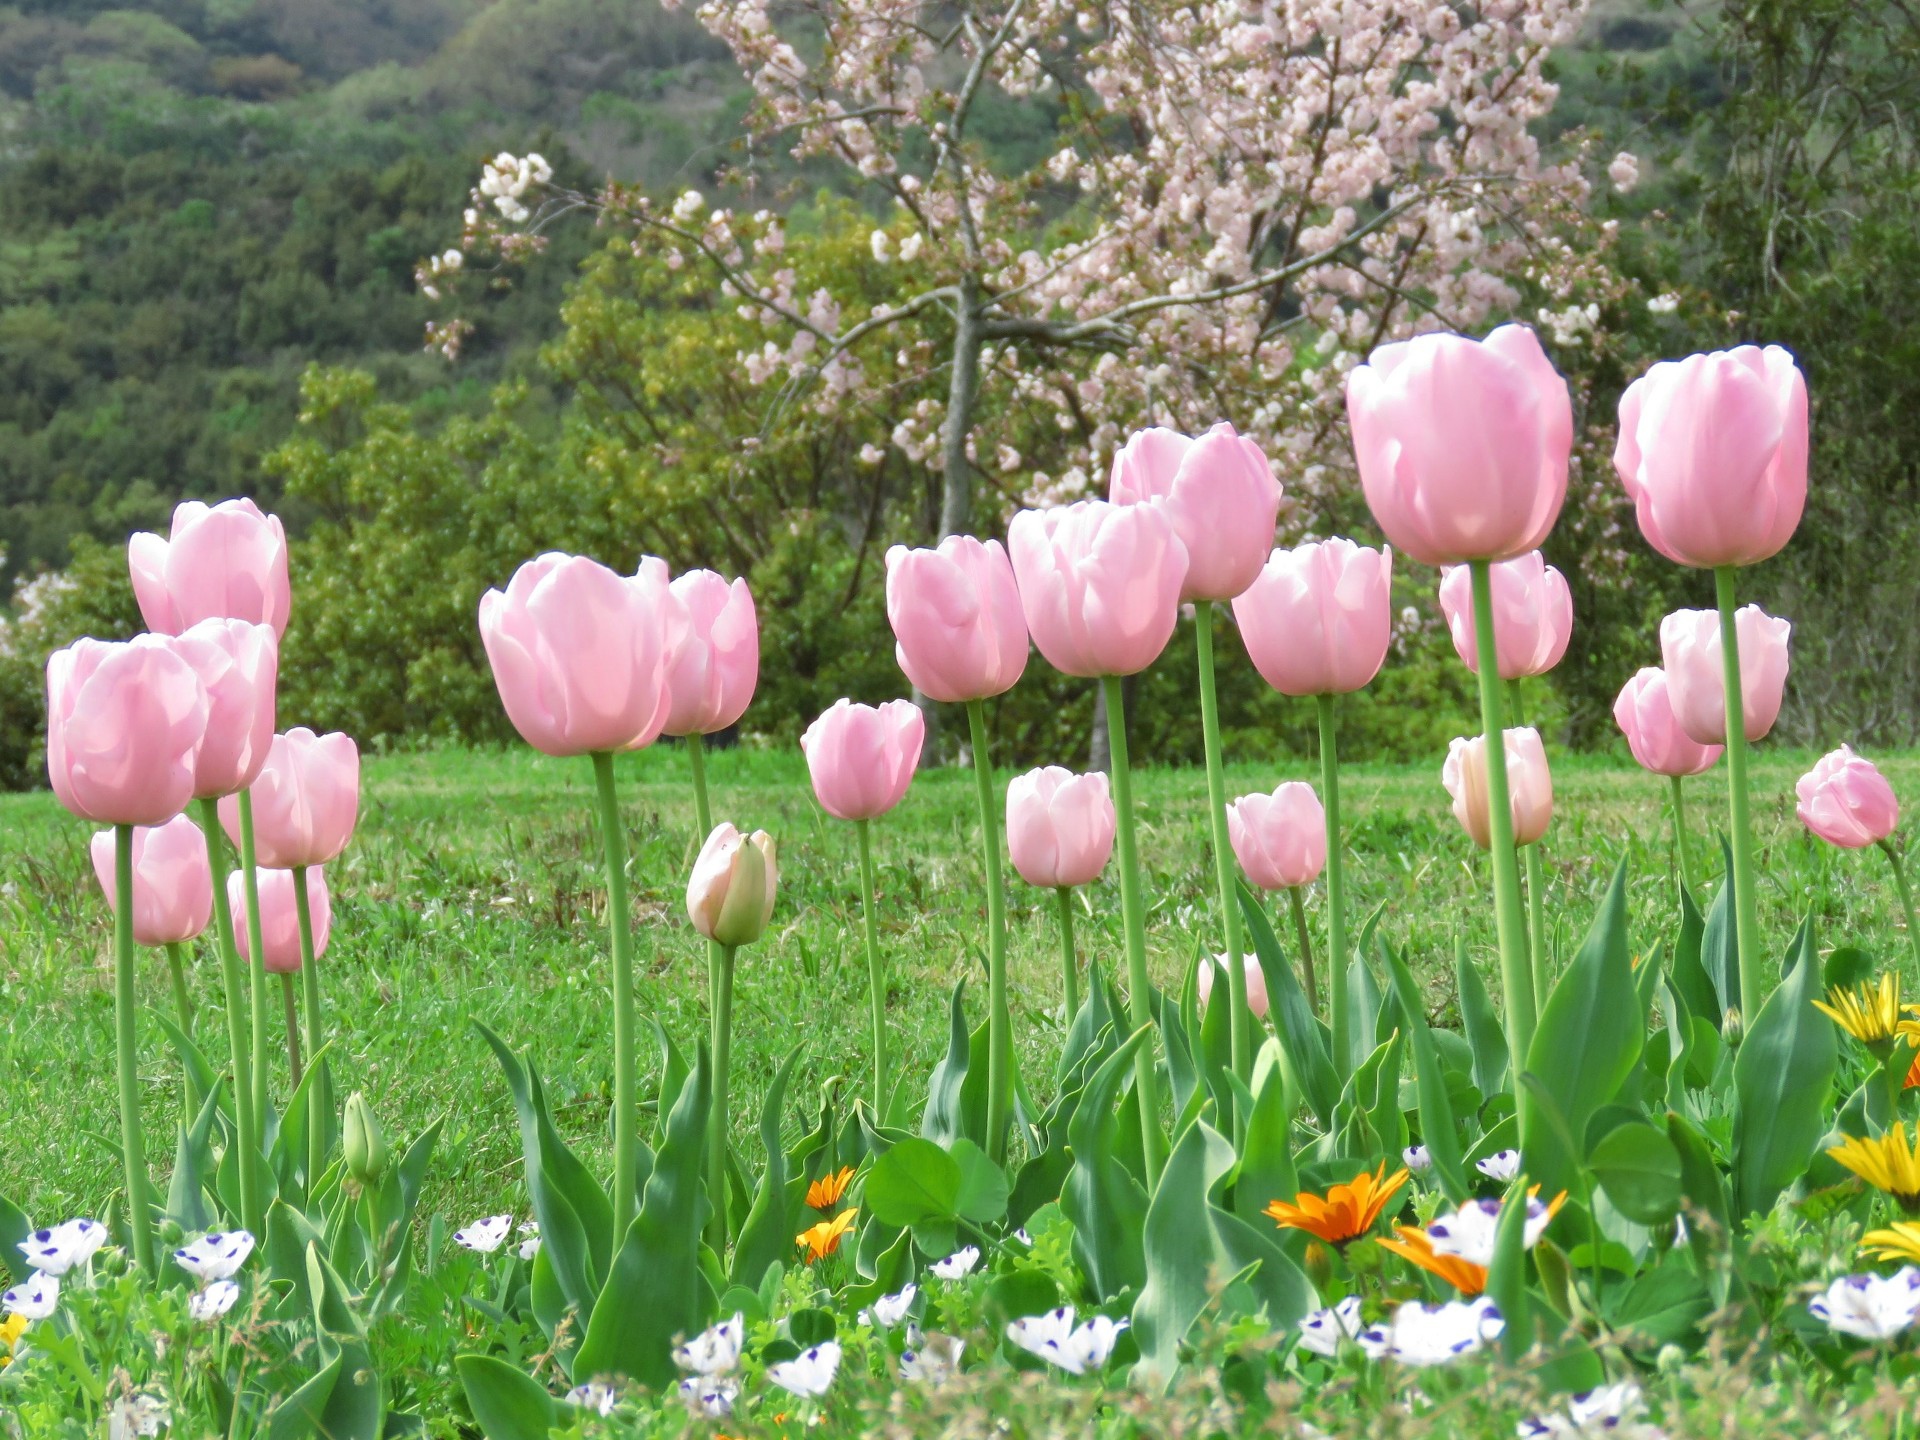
1502, 1165
889, 1310
1871, 1307
1469, 1231
210, 1304
140, 1414
690, 204
959, 1264
485, 1236
58, 1250
881, 244
530, 1246
1055, 1339
910, 247
1624, 171
35, 1297
871, 454
715, 1350
537, 163
1664, 304
1433, 1334
1323, 1330
809, 1373
1417, 1159
709, 1395
215, 1257
1023, 1237
1612, 1412
594, 1395
934, 1360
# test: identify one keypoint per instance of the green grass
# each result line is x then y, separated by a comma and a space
472, 892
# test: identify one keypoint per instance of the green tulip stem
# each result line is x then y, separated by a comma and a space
1241, 1028
177, 972
1336, 879
257, 966
1069, 963
717, 1121
1305, 941
1906, 899
1516, 975
1680, 832
1536, 883
317, 1098
1146, 1079
245, 1118
999, 1017
626, 1136
1746, 899
127, 1050
292, 1007
703, 818
876, 972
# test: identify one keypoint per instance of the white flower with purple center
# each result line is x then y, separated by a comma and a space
210, 1304
1417, 1158
709, 1395
1323, 1330
217, 1256
140, 1414
1469, 1231
810, 1373
1057, 1340
595, 1395
483, 1237
932, 1360
715, 1350
529, 1239
35, 1297
57, 1250
889, 1310
959, 1264
1502, 1165
1434, 1334
1871, 1307
1612, 1411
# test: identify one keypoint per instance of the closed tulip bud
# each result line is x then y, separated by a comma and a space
1529, 786
958, 630
716, 663
220, 562
1059, 826
363, 1143
1691, 652
306, 800
172, 881
1319, 618
280, 917
862, 757
580, 653
1644, 713
1713, 452
1220, 494
1256, 982
239, 667
1099, 583
730, 896
124, 726
1280, 839
1532, 615
1846, 801
1462, 445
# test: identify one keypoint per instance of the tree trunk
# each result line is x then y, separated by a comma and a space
963, 386
1099, 744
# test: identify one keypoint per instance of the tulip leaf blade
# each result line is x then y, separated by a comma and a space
1106, 1204
768, 1230
1300, 1033
1782, 1078
1437, 1130
507, 1403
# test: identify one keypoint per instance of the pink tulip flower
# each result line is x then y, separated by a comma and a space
1462, 444
280, 917
1696, 684
306, 800
1846, 801
1257, 1000
1644, 713
1532, 615
1529, 786
172, 880
716, 665
239, 667
1099, 583
220, 562
731, 892
1713, 452
1059, 826
580, 654
1319, 618
862, 757
124, 726
1280, 839
1220, 494
958, 631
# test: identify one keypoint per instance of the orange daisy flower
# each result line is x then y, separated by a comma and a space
825, 1193
1913, 1074
1413, 1244
1345, 1212
820, 1241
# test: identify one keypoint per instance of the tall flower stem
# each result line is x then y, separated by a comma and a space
1746, 899
126, 1047
1133, 914
319, 1103
1336, 879
1305, 941
257, 968
177, 970
876, 972
999, 1019
1536, 884
245, 1119
1516, 975
703, 818
1680, 832
717, 1127
1241, 1028
1906, 899
292, 1008
1069, 962
626, 1137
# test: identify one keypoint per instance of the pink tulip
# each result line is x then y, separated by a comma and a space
1059, 826
239, 668
1462, 444
862, 757
1713, 452
1529, 786
1532, 615
124, 725
280, 917
580, 654
1280, 839
958, 630
1696, 684
731, 892
1846, 801
715, 666
1644, 712
305, 802
172, 881
1100, 584
1256, 983
1220, 494
1319, 618
224, 562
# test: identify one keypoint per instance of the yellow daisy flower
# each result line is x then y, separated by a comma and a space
1899, 1241
11, 1329
825, 1193
820, 1241
1868, 1012
1888, 1163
